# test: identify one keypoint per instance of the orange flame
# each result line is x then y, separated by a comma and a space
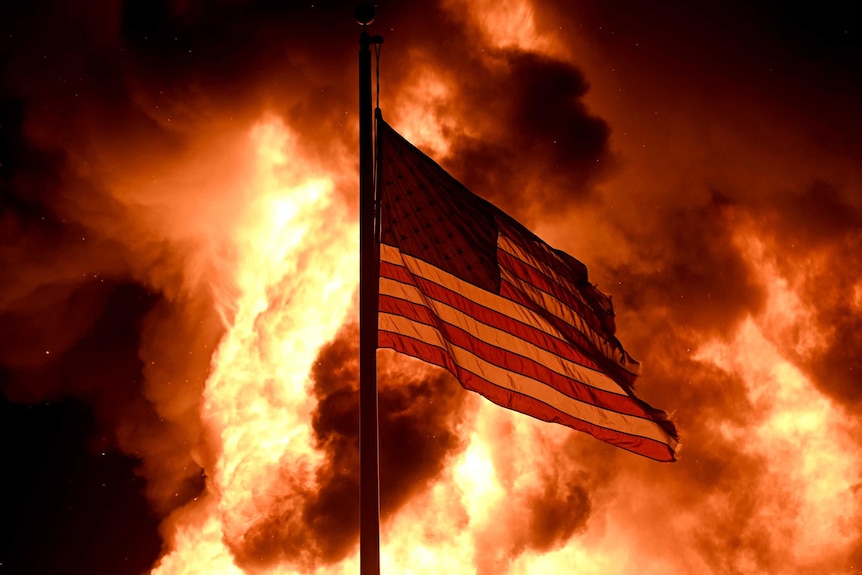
808, 498
291, 278
508, 24
293, 270
133, 163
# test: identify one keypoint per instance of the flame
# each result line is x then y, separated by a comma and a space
285, 289
426, 97
425, 122
171, 197
286, 285
807, 498
507, 24
292, 274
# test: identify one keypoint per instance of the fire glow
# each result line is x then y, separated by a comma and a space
257, 410
226, 199
295, 257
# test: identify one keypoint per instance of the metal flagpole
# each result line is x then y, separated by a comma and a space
369, 488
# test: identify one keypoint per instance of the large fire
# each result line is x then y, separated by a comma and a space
179, 226
293, 265
292, 275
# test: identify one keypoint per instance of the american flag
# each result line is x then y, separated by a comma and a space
466, 287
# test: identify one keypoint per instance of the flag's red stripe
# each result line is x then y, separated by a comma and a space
512, 361
539, 280
522, 403
492, 317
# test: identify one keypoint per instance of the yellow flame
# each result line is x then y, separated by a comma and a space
288, 265
809, 500
196, 543
423, 118
507, 24
785, 311
805, 441
294, 269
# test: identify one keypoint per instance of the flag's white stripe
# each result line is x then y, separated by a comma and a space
500, 338
519, 383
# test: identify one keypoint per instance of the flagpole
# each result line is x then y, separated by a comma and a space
369, 480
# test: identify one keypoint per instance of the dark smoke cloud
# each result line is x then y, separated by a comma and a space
692, 271
518, 129
550, 139
419, 412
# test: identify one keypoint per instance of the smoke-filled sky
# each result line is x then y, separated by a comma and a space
177, 300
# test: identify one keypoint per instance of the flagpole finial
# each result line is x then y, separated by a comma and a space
365, 14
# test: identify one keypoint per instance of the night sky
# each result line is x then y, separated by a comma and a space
701, 159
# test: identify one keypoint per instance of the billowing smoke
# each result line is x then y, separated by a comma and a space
703, 162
